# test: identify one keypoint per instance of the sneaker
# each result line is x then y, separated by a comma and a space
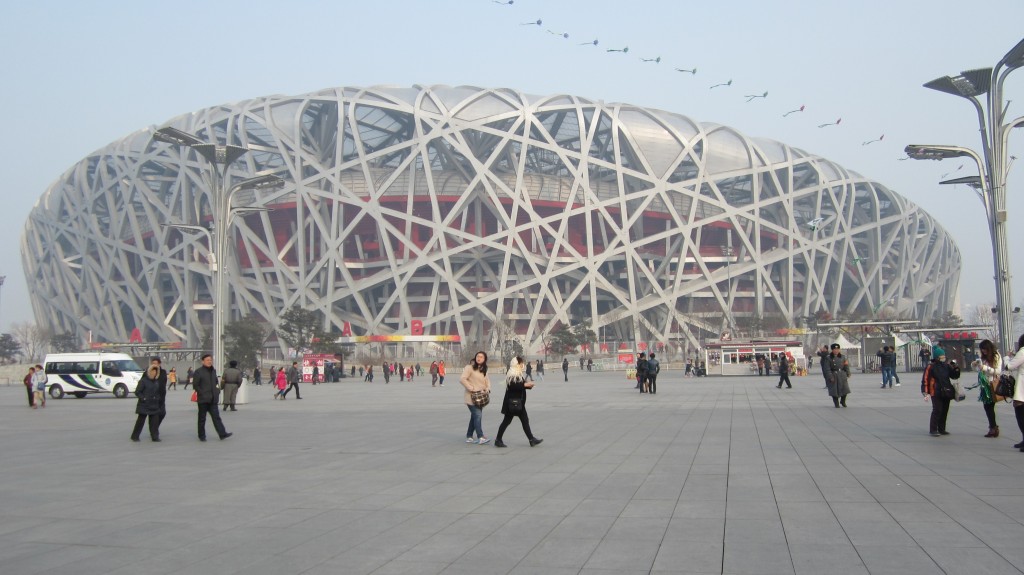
943, 433
535, 441
470, 440
499, 443
484, 441
897, 385
934, 434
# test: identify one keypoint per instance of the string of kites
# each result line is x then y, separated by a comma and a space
539, 23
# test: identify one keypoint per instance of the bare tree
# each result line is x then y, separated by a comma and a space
33, 339
981, 314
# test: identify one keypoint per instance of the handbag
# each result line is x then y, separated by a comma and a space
480, 398
960, 393
515, 406
195, 397
947, 391
1006, 386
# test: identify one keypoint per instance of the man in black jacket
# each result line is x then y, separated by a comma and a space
204, 380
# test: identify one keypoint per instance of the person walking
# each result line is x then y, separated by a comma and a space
565, 368
529, 371
281, 382
30, 388
386, 370
231, 381
784, 371
641, 372
540, 370
474, 379
293, 380
925, 357
989, 366
838, 370
514, 402
172, 379
1016, 366
441, 371
257, 376
161, 380
204, 381
401, 372
433, 373
936, 383
316, 375
653, 369
39, 386
149, 404
188, 378
760, 364
887, 360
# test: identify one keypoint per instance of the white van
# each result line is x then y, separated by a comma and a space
91, 372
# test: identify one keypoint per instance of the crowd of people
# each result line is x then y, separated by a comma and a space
939, 384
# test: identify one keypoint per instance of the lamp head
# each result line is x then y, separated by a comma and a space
966, 84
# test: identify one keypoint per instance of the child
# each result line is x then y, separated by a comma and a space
282, 382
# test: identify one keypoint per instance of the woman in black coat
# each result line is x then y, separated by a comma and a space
149, 404
514, 403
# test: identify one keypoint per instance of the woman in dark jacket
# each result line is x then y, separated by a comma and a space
149, 404
514, 404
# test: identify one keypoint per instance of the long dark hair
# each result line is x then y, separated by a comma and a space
1020, 342
482, 368
988, 352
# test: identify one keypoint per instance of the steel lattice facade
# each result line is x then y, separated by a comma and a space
468, 208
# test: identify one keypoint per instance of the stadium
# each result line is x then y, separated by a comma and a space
474, 213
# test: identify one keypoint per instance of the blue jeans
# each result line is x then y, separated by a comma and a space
476, 422
887, 376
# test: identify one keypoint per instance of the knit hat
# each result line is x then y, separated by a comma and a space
938, 352
836, 346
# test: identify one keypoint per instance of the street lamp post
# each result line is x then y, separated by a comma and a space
727, 252
971, 85
219, 157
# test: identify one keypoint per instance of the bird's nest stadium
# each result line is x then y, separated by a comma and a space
475, 210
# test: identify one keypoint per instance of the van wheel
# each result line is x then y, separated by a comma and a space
120, 391
56, 391
79, 394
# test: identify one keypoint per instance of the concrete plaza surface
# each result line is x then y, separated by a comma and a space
711, 475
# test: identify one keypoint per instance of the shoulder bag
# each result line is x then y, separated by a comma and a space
1006, 385
480, 398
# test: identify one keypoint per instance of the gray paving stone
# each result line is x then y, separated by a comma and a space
711, 475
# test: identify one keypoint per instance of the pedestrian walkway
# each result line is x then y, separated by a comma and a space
711, 475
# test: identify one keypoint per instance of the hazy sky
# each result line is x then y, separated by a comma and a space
79, 75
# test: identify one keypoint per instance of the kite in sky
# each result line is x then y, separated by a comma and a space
623, 50
562, 34
655, 60
750, 97
537, 23
509, 3
815, 224
800, 109
693, 71
729, 83
869, 142
594, 43
836, 123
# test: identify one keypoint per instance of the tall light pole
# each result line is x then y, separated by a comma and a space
219, 157
972, 85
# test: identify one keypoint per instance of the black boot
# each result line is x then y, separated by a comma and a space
835, 400
842, 401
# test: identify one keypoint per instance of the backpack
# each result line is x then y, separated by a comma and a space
1006, 386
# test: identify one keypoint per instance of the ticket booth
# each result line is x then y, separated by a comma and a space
740, 357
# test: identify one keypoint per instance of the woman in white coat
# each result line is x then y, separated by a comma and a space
1016, 365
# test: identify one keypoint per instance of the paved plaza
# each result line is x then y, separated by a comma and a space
711, 475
